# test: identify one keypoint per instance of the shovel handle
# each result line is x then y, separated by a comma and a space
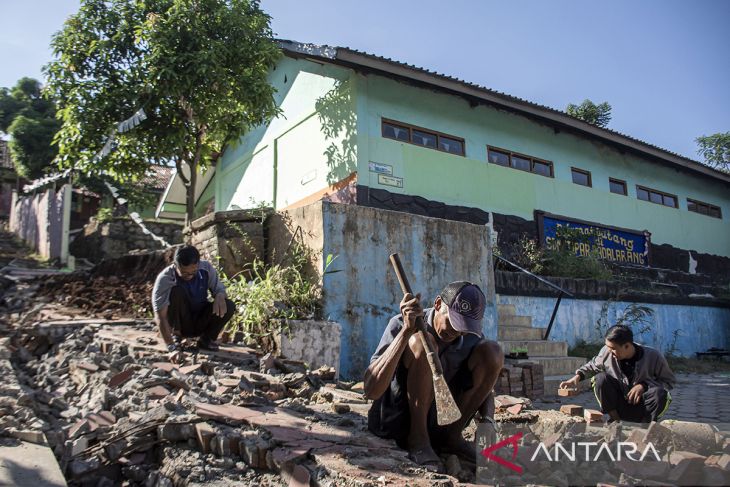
406, 288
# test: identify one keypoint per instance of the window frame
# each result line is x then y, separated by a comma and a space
410, 128
706, 205
510, 154
584, 172
621, 182
657, 192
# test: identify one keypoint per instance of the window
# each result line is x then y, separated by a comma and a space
704, 208
522, 162
423, 137
617, 186
655, 196
581, 177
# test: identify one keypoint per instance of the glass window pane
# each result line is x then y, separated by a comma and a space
424, 138
451, 145
655, 197
541, 168
691, 206
702, 209
617, 187
642, 194
580, 177
496, 157
395, 132
715, 211
520, 163
669, 201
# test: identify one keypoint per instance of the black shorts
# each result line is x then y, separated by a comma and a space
390, 417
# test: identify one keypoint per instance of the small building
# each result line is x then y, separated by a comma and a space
361, 129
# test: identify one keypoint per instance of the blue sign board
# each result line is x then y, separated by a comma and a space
608, 243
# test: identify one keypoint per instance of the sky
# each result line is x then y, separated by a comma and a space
663, 65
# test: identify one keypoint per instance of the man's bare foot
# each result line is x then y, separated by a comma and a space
427, 458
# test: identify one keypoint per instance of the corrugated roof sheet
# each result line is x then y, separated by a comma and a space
157, 177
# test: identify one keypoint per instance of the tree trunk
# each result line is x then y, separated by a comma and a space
190, 193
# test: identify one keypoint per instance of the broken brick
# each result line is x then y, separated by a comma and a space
572, 409
166, 366
157, 392
593, 416
515, 409
120, 378
567, 392
300, 477
189, 369
204, 433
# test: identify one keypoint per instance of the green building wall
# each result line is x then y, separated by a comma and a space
331, 126
471, 181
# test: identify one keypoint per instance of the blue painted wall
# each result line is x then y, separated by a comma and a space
699, 328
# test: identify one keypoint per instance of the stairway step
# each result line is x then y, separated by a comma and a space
516, 320
537, 348
519, 333
505, 310
552, 383
564, 366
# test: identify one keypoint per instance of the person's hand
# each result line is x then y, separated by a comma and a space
634, 395
571, 383
219, 305
410, 307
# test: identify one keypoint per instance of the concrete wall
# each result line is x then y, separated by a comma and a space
699, 327
38, 220
306, 149
365, 294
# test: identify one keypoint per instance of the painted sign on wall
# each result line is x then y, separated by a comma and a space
609, 243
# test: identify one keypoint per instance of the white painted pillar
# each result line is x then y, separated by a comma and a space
66, 222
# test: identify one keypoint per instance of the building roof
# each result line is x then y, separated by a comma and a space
157, 177
476, 94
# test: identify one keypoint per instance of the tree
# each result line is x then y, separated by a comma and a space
589, 112
30, 121
198, 68
715, 150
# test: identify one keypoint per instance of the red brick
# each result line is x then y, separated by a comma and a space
572, 409
515, 409
120, 378
567, 392
592, 416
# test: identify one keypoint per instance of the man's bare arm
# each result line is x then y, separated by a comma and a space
164, 325
380, 372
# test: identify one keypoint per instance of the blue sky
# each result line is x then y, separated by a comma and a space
663, 65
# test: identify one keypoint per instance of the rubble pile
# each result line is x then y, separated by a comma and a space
115, 412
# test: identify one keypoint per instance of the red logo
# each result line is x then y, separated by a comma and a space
512, 440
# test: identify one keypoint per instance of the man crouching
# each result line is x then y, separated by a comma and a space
400, 381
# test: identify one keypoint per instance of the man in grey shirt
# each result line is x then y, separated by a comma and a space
631, 381
399, 378
181, 305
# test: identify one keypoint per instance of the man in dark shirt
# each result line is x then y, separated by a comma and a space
181, 306
399, 378
631, 381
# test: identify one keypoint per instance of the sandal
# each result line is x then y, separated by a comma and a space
427, 459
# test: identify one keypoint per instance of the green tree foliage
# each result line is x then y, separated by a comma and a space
198, 67
589, 112
30, 120
715, 150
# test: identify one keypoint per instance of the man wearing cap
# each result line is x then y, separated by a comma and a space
400, 382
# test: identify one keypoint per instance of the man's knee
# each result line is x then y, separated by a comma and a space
487, 354
600, 380
416, 350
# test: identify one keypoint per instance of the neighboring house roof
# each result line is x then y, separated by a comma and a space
157, 178
364, 62
175, 192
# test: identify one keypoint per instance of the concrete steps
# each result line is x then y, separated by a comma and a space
516, 331
536, 348
519, 333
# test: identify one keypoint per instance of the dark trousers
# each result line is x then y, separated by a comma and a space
611, 397
204, 323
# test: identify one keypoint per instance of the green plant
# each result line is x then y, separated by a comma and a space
275, 294
104, 215
562, 258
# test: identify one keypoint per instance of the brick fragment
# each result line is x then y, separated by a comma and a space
515, 409
572, 409
204, 433
567, 392
120, 378
593, 416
